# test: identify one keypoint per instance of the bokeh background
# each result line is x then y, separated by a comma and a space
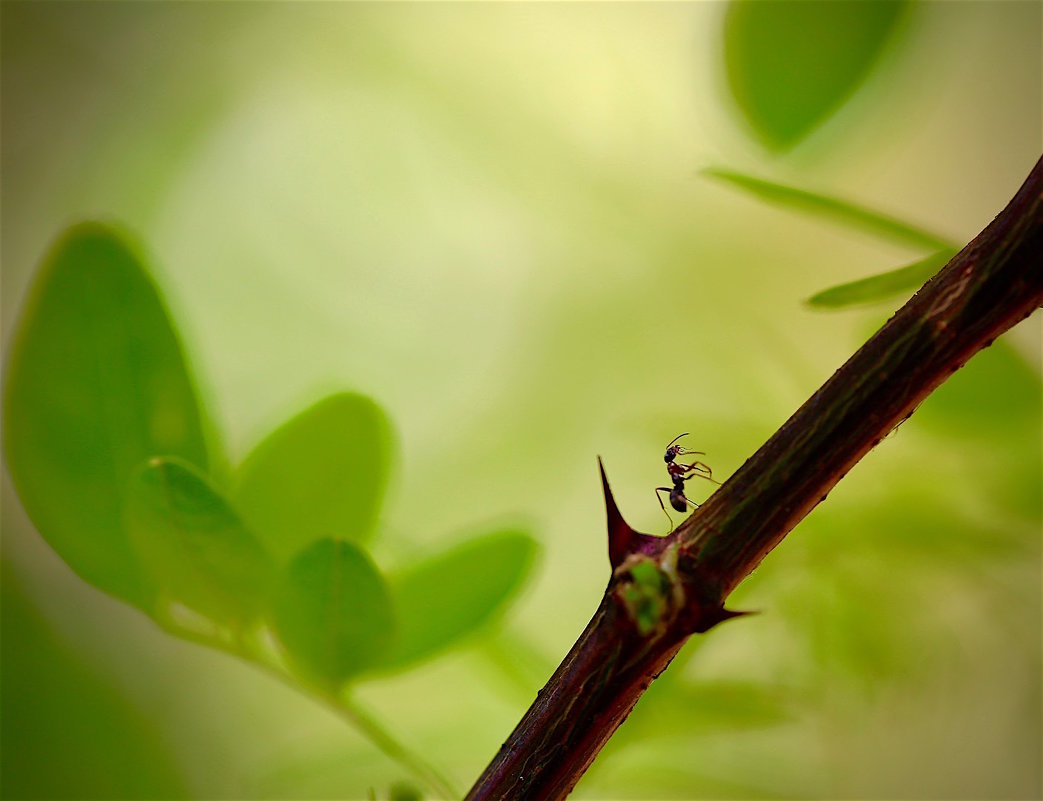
493, 220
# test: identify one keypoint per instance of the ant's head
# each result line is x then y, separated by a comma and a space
673, 450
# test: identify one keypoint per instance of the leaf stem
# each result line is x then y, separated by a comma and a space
348, 710
364, 721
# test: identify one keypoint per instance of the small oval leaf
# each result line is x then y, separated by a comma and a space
333, 612
792, 63
96, 384
882, 286
322, 474
443, 598
193, 546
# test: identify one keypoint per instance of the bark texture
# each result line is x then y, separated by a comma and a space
664, 589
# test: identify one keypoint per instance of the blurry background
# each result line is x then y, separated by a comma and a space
491, 219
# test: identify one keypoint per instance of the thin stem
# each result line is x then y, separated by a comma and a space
348, 710
354, 713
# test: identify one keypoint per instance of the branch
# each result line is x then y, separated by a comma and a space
664, 589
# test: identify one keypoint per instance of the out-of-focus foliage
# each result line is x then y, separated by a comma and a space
66, 732
96, 383
791, 63
829, 208
193, 546
448, 595
333, 612
491, 218
404, 791
883, 286
161, 534
321, 474
876, 288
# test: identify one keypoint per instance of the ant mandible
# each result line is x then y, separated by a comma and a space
679, 473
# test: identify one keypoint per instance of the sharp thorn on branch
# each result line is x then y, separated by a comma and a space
622, 539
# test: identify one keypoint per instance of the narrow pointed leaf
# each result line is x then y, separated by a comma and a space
97, 383
879, 225
193, 546
322, 474
790, 64
450, 595
883, 286
333, 612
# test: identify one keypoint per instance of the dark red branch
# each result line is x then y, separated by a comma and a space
663, 589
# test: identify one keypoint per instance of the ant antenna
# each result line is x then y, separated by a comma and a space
671, 442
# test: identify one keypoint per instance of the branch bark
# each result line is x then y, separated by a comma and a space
664, 589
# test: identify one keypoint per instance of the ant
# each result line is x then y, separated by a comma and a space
679, 474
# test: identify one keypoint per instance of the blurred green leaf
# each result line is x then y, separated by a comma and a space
792, 63
829, 208
443, 598
851, 626
882, 286
322, 474
915, 530
333, 612
996, 392
684, 708
97, 383
65, 731
404, 791
193, 546
992, 407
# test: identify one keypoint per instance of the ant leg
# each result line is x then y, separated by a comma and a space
699, 470
687, 452
701, 467
709, 478
660, 499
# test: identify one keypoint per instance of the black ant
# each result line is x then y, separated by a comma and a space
679, 474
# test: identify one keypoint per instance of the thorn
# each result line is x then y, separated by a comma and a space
711, 617
620, 535
728, 614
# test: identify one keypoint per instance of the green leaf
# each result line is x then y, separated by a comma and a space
193, 546
997, 393
67, 731
791, 63
405, 791
322, 474
882, 286
991, 408
333, 612
684, 708
97, 383
857, 217
441, 599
